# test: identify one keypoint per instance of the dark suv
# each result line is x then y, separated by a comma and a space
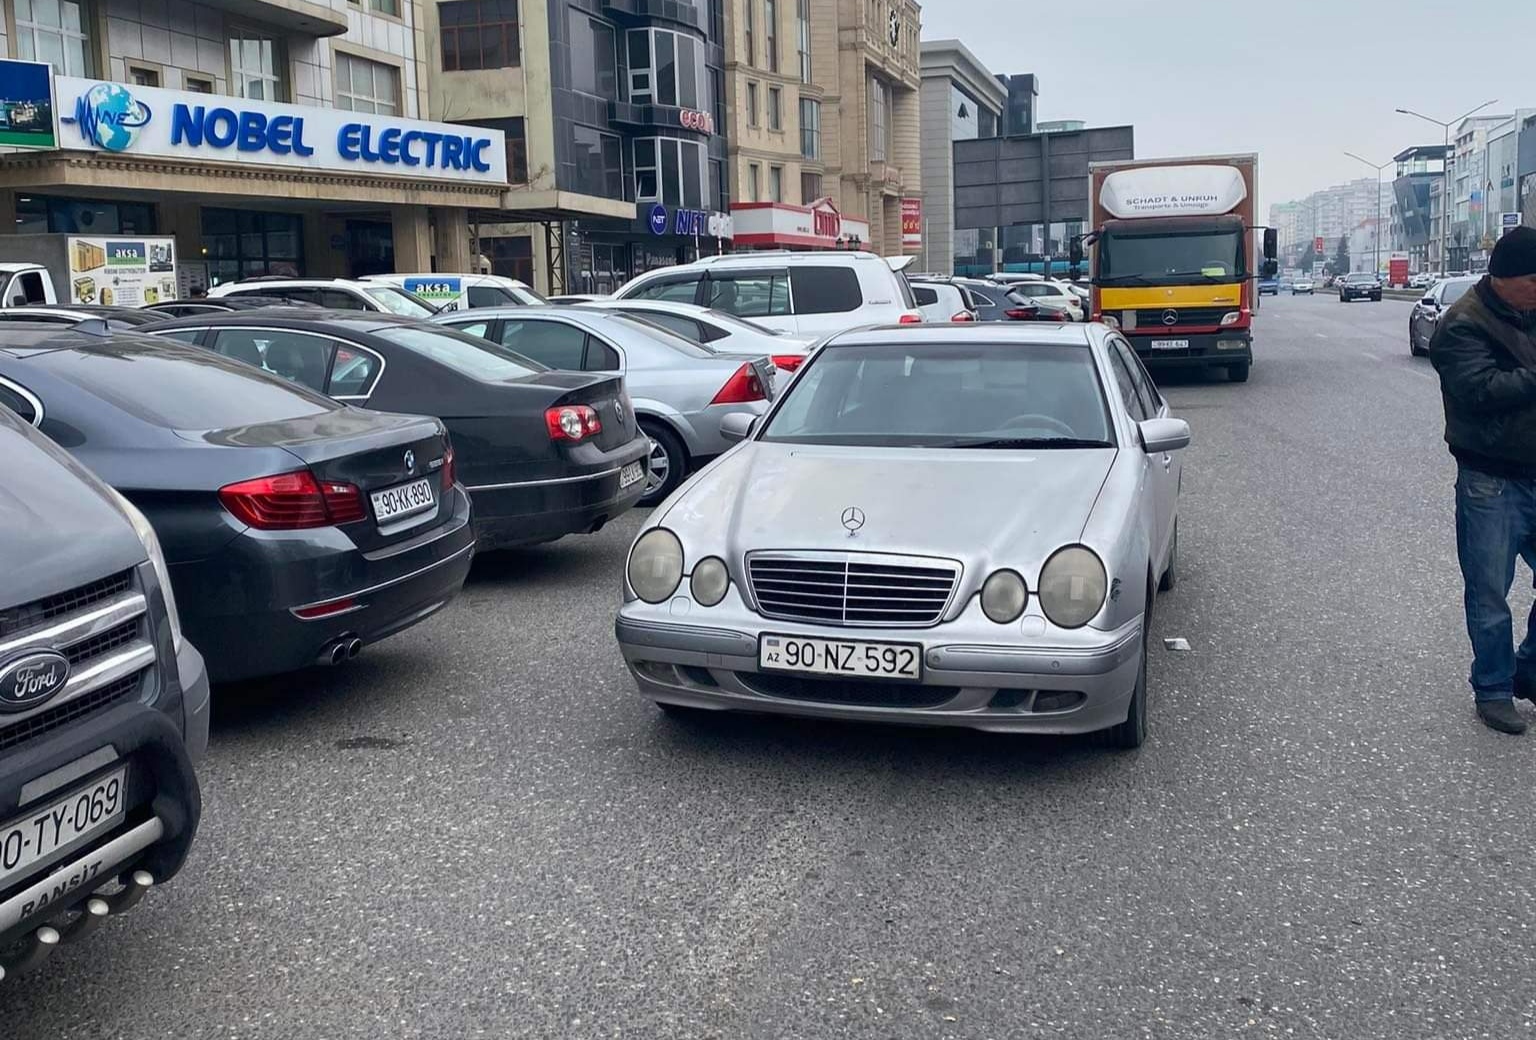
1359, 286
103, 705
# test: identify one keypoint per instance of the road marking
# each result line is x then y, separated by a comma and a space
1373, 357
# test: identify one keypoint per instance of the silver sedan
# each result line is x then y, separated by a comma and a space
951, 525
680, 389
716, 329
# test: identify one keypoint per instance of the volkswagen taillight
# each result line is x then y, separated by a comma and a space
572, 422
293, 502
742, 388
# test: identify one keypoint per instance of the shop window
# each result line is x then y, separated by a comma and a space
594, 60
39, 213
247, 243
669, 170
366, 86
775, 109
479, 34
810, 129
55, 32
510, 256
666, 68
255, 64
594, 166
810, 188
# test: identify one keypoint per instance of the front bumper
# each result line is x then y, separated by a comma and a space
163, 805
1205, 349
238, 605
976, 674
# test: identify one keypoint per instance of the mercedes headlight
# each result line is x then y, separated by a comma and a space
656, 565
1072, 586
1004, 597
156, 555
1231, 318
709, 582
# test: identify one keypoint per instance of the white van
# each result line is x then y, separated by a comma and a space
461, 292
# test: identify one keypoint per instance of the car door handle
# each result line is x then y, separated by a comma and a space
1167, 461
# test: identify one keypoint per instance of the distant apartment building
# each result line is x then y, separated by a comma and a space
822, 119
961, 101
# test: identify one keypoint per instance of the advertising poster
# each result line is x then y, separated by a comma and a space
441, 291
26, 105
911, 223
122, 272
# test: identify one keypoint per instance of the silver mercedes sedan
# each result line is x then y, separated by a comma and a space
952, 525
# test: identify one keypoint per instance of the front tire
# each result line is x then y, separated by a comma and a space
1132, 733
1413, 340
669, 463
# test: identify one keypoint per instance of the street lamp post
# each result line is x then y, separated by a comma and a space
1378, 167
1445, 177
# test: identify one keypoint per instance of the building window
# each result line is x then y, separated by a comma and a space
752, 119
717, 97
771, 32
754, 182
671, 171
53, 31
594, 56
142, 77
717, 199
197, 85
879, 120
810, 129
666, 68
775, 184
510, 257
810, 188
595, 166
366, 86
242, 243
73, 216
254, 65
479, 34
389, 7
803, 32
517, 145
775, 109
751, 32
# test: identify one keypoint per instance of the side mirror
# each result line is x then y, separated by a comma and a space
1271, 243
1428, 301
1160, 435
737, 426
1075, 251
1270, 268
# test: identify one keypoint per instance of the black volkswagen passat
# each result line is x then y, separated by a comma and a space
543, 453
297, 529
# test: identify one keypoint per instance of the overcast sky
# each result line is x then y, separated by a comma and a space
1299, 82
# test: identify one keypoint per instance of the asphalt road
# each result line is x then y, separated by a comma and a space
479, 830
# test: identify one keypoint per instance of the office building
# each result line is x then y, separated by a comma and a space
958, 95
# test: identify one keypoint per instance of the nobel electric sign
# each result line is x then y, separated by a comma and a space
149, 121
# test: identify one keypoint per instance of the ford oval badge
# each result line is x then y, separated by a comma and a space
32, 678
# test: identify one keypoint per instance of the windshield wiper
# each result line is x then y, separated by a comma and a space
1028, 442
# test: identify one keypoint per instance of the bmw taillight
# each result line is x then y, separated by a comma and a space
293, 502
788, 362
742, 388
448, 474
572, 422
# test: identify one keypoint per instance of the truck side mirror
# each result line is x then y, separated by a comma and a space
1075, 251
1271, 243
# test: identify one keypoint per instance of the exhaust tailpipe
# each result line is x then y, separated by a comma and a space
339, 651
354, 647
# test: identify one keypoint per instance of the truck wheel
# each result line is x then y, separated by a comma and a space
1238, 373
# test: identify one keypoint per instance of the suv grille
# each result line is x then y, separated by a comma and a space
852, 588
39, 612
103, 644
1153, 319
50, 720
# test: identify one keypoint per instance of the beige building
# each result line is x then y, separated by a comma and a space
822, 102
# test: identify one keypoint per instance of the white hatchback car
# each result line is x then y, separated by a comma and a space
811, 293
717, 330
337, 294
460, 292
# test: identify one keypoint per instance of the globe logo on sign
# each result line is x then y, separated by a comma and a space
658, 219
109, 117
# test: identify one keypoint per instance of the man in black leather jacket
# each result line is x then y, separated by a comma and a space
1485, 352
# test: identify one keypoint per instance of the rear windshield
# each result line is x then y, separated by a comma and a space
184, 388
666, 336
938, 396
465, 354
398, 301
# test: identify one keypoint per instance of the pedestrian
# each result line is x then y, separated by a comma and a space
1485, 352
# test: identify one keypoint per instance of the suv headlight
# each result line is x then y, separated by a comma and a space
151, 543
1072, 586
656, 565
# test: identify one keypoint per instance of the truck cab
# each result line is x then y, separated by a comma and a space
104, 706
26, 285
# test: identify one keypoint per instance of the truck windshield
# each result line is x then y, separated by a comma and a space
1170, 258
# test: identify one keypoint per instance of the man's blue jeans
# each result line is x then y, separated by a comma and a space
1495, 524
